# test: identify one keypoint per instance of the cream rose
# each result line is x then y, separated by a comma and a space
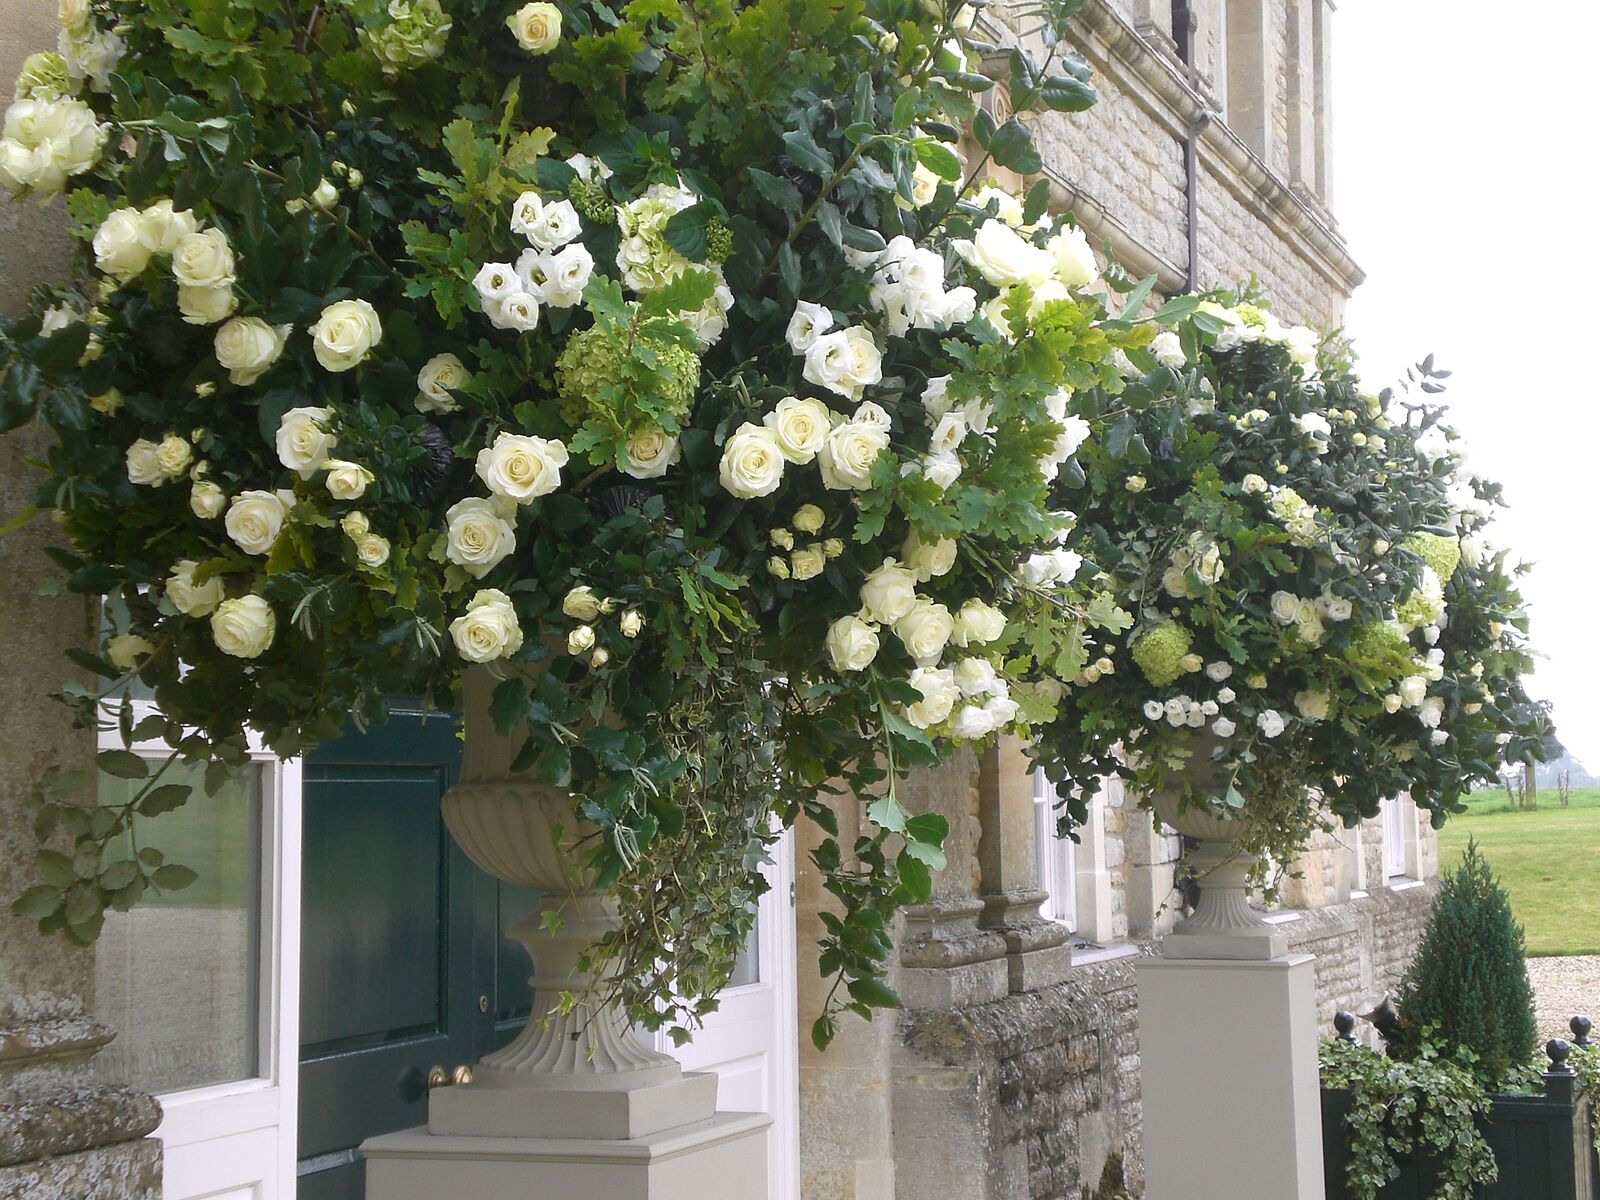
752, 462
143, 468
852, 644
119, 246
346, 480
651, 453
1003, 257
304, 440
939, 696
478, 535
801, 427
243, 627
206, 305
441, 375
203, 260
173, 456
1312, 705
1074, 260
808, 518
207, 500
191, 598
888, 593
372, 550
847, 362
925, 631
254, 520
520, 467
488, 629
345, 334
976, 677
809, 322
978, 623
807, 562
1285, 607
929, 560
247, 346
1413, 690
537, 27
631, 623
126, 649
581, 603
162, 228
580, 640
847, 457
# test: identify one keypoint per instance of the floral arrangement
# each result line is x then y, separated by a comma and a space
673, 362
1316, 603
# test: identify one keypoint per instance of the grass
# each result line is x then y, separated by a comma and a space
1545, 859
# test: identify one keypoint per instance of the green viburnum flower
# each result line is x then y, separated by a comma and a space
44, 76
1160, 652
1250, 314
416, 33
719, 241
596, 359
1380, 648
1441, 553
591, 201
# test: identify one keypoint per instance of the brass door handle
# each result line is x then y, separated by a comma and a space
437, 1078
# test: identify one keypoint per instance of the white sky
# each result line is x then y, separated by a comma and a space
1465, 179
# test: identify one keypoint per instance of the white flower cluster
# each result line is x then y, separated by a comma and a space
89, 52
202, 258
1309, 616
553, 270
1297, 516
648, 263
801, 431
583, 605
908, 289
1245, 324
1199, 556
44, 142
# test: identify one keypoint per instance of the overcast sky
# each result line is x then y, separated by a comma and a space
1465, 181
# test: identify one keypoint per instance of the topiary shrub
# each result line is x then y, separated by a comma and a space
1468, 985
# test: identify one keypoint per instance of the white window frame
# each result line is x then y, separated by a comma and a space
1400, 849
239, 1137
1055, 857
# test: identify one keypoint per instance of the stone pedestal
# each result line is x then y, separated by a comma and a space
1228, 1074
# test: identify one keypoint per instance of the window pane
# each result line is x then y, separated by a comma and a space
179, 976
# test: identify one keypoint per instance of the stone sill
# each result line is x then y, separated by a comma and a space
1100, 954
1404, 883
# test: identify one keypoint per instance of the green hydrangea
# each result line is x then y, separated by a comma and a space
1160, 652
415, 33
1250, 314
594, 360
1380, 649
1441, 553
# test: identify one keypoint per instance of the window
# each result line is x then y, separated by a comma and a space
1056, 857
1398, 814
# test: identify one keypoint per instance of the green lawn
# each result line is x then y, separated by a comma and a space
1546, 860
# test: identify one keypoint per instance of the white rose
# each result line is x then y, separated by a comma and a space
518, 311
126, 649
650, 454
76, 16
978, 623
162, 228
928, 560
888, 593
847, 456
496, 281
304, 440
752, 462
206, 500
520, 467
581, 603
1413, 690
566, 275
119, 246
972, 723
1270, 722
191, 598
809, 322
1073, 259
488, 629
1312, 705
537, 27
1285, 607
243, 627
203, 260
925, 631
631, 622
206, 305
1168, 350
1226, 696
1003, 257
1223, 727
934, 397
345, 334
556, 225
1218, 671
939, 696
1340, 609
254, 520
346, 480
46, 141
942, 469
143, 467
807, 562
846, 362
478, 535
948, 434
173, 456
852, 644
800, 426
808, 518
1154, 710
1431, 712
1253, 485
976, 677
372, 550
247, 346
441, 375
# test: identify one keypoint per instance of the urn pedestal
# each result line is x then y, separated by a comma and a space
576, 1103
1223, 925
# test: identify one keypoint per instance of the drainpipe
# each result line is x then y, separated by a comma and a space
1184, 24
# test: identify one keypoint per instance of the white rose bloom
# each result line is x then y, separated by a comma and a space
873, 413
650, 454
204, 260
43, 142
206, 305
807, 562
942, 469
441, 375
1285, 607
808, 518
1312, 705
1007, 207
1168, 350
1431, 712
247, 346
752, 462
1175, 582
1218, 671
1226, 696
972, 723
1270, 722
479, 534
1223, 727
372, 550
1253, 485
567, 273
119, 246
488, 629
518, 311
846, 361
978, 623
630, 623
958, 307
254, 520
520, 467
948, 434
888, 593
1074, 433
928, 560
939, 696
191, 598
243, 627
925, 631
206, 500
581, 603
162, 228
934, 399
496, 281
800, 427
304, 440
345, 334
852, 644
847, 456
1073, 258
1001, 710
143, 466
1154, 710
346, 480
1003, 257
537, 27
977, 677
809, 322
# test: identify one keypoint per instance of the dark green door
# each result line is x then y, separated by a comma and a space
402, 963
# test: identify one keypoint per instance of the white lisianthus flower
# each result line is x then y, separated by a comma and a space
525, 213
807, 562
650, 454
496, 281
479, 534
851, 643
925, 631
1339, 609
44, 142
752, 462
847, 455
489, 629
1073, 258
255, 518
808, 518
977, 677
521, 467
207, 500
518, 312
1168, 350
939, 696
191, 598
1003, 257
1312, 705
941, 469
1154, 710
978, 623
206, 305
1223, 727
126, 649
567, 273
800, 426
928, 560
934, 398
846, 361
441, 375
204, 260
948, 434
243, 627
888, 593
581, 603
120, 249
809, 322
1270, 722
372, 550
346, 480
247, 346
345, 334
163, 228
555, 226
537, 27
305, 440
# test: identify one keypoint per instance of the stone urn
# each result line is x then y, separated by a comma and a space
580, 1073
1223, 925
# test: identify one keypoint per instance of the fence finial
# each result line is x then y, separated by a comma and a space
1344, 1023
1557, 1049
1580, 1026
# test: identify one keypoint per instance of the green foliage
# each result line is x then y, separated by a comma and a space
1469, 981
